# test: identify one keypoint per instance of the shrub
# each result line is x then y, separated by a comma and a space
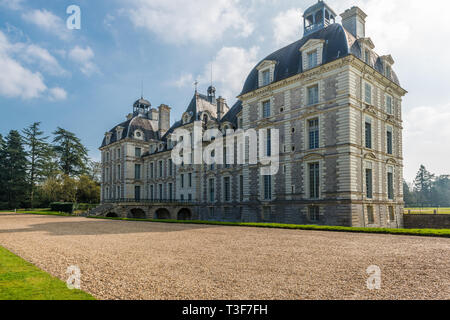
66, 207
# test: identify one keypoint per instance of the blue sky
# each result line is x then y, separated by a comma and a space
86, 80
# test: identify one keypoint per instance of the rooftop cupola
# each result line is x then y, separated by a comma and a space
141, 107
317, 17
212, 95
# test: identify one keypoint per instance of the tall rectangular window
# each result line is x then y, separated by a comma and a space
241, 188
137, 171
314, 180
389, 109
182, 180
314, 213
160, 192
152, 175
190, 180
160, 169
367, 56
266, 109
118, 172
170, 167
137, 193
370, 215
170, 191
390, 180
266, 78
368, 93
227, 189
312, 59
313, 95
152, 192
212, 195
313, 134
137, 152
368, 132
369, 184
269, 142
389, 141
267, 187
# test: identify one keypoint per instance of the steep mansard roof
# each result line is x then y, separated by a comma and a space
130, 126
289, 63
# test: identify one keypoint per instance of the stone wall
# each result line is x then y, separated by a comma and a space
426, 221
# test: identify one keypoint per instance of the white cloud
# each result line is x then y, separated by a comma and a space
202, 21
47, 21
56, 94
426, 137
18, 81
288, 26
12, 4
84, 58
34, 54
231, 66
184, 80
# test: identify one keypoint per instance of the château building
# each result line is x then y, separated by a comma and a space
336, 104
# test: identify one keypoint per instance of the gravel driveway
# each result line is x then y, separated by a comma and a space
139, 260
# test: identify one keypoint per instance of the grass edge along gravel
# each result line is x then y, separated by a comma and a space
444, 233
21, 280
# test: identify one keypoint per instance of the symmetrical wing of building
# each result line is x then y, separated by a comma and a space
336, 105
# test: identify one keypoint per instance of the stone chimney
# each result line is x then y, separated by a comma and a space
164, 119
354, 21
221, 103
153, 114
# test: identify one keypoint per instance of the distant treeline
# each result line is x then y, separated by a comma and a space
35, 172
428, 190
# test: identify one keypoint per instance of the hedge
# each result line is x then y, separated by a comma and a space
67, 207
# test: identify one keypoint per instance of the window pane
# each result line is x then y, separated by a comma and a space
369, 191
389, 142
314, 134
368, 94
368, 135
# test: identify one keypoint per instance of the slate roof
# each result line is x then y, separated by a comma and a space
289, 62
129, 127
231, 115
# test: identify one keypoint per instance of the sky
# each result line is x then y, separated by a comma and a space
86, 80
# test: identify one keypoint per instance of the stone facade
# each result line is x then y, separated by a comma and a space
340, 127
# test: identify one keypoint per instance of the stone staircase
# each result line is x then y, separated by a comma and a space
101, 210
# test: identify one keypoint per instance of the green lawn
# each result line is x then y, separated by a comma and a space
427, 210
445, 233
20, 280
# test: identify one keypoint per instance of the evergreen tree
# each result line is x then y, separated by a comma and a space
408, 196
423, 185
440, 194
38, 156
15, 170
71, 154
2, 173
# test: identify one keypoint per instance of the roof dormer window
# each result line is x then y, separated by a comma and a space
138, 134
312, 53
266, 77
312, 59
266, 72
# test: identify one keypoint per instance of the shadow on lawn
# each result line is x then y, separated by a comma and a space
100, 227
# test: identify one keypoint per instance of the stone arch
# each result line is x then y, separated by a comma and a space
137, 213
184, 214
162, 214
112, 215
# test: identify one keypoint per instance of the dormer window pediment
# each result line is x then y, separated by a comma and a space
266, 72
312, 53
108, 136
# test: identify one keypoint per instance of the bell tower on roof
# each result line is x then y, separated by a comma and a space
318, 16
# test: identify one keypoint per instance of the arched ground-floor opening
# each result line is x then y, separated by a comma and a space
112, 215
184, 214
162, 214
137, 214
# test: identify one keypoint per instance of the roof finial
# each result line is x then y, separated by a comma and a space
142, 88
